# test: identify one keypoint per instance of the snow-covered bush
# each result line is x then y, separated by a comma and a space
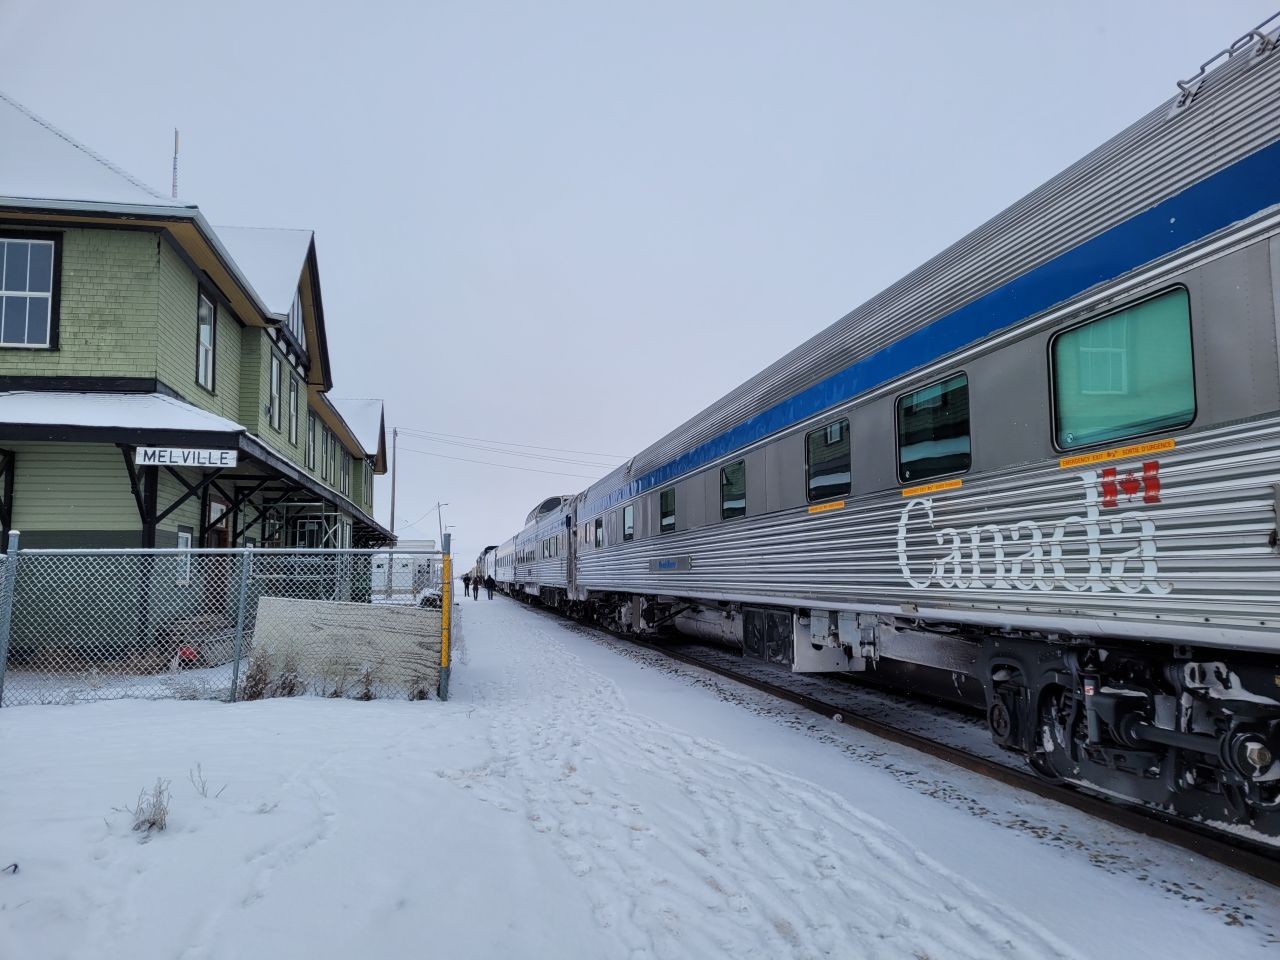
152, 809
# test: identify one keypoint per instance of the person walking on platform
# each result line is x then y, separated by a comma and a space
489, 584
466, 584
475, 587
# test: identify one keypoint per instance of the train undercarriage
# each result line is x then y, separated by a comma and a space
1191, 730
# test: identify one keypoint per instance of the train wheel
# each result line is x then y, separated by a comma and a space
1060, 720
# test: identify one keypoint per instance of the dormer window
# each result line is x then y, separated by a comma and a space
26, 293
295, 320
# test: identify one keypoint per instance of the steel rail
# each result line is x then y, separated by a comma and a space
1230, 850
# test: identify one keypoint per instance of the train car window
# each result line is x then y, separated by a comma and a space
628, 522
1125, 374
733, 490
599, 529
933, 430
667, 510
828, 462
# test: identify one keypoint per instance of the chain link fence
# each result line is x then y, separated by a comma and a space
79, 625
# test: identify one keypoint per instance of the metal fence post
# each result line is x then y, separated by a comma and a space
6, 604
245, 561
446, 616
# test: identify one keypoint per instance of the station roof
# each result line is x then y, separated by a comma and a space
365, 418
52, 166
272, 259
129, 411
149, 419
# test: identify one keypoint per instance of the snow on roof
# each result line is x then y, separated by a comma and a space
364, 417
144, 411
40, 162
271, 258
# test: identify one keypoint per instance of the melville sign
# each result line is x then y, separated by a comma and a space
184, 457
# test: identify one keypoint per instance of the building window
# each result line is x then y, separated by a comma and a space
599, 529
206, 341
346, 474
828, 462
733, 490
368, 482
1125, 374
333, 458
293, 410
933, 430
628, 523
667, 510
275, 390
324, 455
295, 320
26, 293
183, 560
311, 441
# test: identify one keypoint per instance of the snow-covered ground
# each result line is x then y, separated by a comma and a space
577, 798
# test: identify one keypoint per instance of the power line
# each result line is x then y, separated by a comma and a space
490, 463
425, 434
514, 453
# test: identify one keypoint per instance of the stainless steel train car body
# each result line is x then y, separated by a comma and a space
1217, 510
1029, 567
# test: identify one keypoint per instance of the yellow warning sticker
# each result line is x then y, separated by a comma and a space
824, 507
1119, 453
941, 485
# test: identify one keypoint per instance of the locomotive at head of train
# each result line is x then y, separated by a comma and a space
1044, 467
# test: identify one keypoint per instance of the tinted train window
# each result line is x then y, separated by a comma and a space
1125, 374
733, 490
628, 522
828, 461
667, 510
933, 430
599, 531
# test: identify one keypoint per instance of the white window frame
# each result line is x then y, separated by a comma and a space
311, 441
29, 294
293, 409
295, 319
206, 351
274, 387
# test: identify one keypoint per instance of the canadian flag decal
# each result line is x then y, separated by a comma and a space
1124, 487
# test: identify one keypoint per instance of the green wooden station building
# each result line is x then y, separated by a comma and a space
164, 382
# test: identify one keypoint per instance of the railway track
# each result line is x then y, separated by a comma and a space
1238, 852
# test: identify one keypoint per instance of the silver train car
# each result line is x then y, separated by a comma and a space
1043, 469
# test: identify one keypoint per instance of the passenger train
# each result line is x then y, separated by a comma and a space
1041, 472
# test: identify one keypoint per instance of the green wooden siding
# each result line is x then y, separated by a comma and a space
176, 339
108, 309
72, 486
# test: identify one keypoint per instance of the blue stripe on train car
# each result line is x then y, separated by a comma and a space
1234, 193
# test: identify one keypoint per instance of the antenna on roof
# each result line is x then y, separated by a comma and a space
173, 190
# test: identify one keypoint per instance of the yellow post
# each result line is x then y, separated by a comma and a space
446, 615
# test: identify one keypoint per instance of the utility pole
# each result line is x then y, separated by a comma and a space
395, 460
440, 518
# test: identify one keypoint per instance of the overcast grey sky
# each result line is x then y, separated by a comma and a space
575, 224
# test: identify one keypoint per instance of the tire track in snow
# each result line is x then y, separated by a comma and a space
686, 849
